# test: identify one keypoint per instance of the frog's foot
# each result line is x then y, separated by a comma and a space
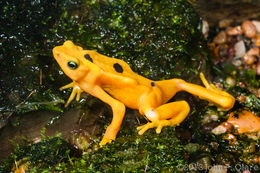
159, 124
227, 101
76, 91
104, 141
212, 87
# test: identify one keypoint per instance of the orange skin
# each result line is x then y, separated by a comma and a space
245, 122
112, 81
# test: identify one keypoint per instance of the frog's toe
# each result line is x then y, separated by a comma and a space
144, 128
159, 124
162, 124
212, 87
104, 141
76, 92
70, 85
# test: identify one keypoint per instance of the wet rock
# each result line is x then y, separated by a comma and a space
238, 11
31, 124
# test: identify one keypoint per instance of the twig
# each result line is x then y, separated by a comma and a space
40, 77
17, 106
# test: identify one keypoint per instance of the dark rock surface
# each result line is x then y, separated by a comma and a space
238, 10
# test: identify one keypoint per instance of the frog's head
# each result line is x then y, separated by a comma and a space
69, 57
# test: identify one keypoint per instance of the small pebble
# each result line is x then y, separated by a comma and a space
214, 145
219, 130
230, 81
237, 61
257, 160
205, 28
257, 92
257, 25
240, 49
257, 40
246, 171
248, 59
234, 31
258, 68
219, 85
220, 38
214, 117
242, 85
223, 50
241, 99
254, 51
253, 66
249, 29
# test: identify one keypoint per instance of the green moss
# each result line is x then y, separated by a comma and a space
43, 155
252, 102
151, 152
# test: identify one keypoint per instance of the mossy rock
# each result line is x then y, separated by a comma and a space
159, 40
129, 153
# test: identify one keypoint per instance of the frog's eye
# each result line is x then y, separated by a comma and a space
72, 65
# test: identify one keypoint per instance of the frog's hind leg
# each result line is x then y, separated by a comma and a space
209, 92
170, 114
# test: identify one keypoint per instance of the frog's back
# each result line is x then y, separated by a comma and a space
114, 66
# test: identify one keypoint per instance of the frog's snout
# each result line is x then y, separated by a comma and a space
55, 53
71, 46
68, 44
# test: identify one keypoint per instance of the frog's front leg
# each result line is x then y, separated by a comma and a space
118, 109
76, 91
